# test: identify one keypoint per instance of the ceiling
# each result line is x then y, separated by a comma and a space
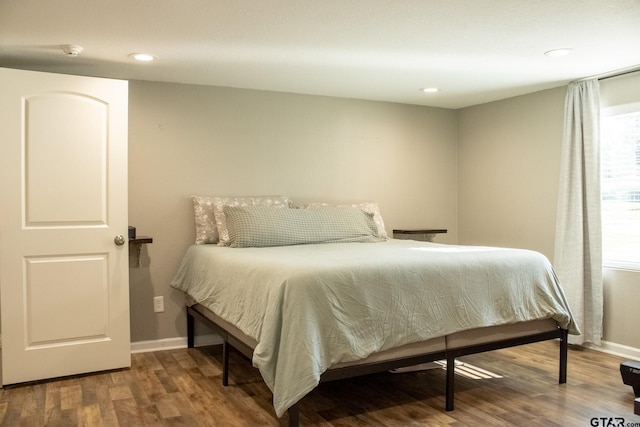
474, 51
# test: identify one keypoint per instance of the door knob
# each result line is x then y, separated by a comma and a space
119, 240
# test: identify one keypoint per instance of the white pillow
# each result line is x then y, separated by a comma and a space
206, 230
369, 207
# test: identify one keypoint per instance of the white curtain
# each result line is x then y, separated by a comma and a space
578, 246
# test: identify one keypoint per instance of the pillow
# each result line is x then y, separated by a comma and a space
260, 226
206, 230
211, 226
221, 202
370, 207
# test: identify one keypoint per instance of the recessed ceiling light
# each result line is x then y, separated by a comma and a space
430, 89
144, 57
559, 52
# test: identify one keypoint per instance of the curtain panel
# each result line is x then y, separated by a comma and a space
578, 244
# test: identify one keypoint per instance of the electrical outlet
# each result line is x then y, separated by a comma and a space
158, 304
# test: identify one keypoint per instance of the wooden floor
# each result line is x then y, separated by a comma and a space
183, 388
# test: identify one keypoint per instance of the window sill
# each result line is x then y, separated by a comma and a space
621, 265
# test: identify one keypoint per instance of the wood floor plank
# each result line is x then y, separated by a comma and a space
168, 385
90, 416
183, 387
68, 417
33, 401
70, 397
119, 392
128, 413
52, 409
167, 407
3, 410
203, 405
146, 361
14, 407
151, 385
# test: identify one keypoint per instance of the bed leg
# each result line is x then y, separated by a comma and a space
294, 416
190, 330
225, 363
564, 355
451, 370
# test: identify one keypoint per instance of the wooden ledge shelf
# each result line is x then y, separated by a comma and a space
138, 242
141, 240
422, 234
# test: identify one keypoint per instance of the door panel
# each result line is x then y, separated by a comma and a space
46, 284
54, 163
63, 282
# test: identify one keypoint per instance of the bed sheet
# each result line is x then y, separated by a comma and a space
312, 306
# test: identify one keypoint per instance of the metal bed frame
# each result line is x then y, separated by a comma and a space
229, 339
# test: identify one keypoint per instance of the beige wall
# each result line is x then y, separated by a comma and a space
621, 303
509, 163
186, 139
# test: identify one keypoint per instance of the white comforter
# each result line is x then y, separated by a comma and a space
311, 306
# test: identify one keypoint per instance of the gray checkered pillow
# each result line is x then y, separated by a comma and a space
260, 226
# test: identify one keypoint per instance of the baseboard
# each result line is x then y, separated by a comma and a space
620, 350
173, 343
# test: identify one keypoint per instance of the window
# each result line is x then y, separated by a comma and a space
620, 183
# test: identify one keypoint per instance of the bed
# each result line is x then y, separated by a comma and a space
307, 303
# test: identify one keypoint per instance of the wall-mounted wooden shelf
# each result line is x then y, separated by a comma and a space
423, 234
141, 240
138, 242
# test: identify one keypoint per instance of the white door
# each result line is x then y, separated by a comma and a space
63, 199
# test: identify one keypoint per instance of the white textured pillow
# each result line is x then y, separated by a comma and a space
260, 226
206, 230
211, 224
369, 207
